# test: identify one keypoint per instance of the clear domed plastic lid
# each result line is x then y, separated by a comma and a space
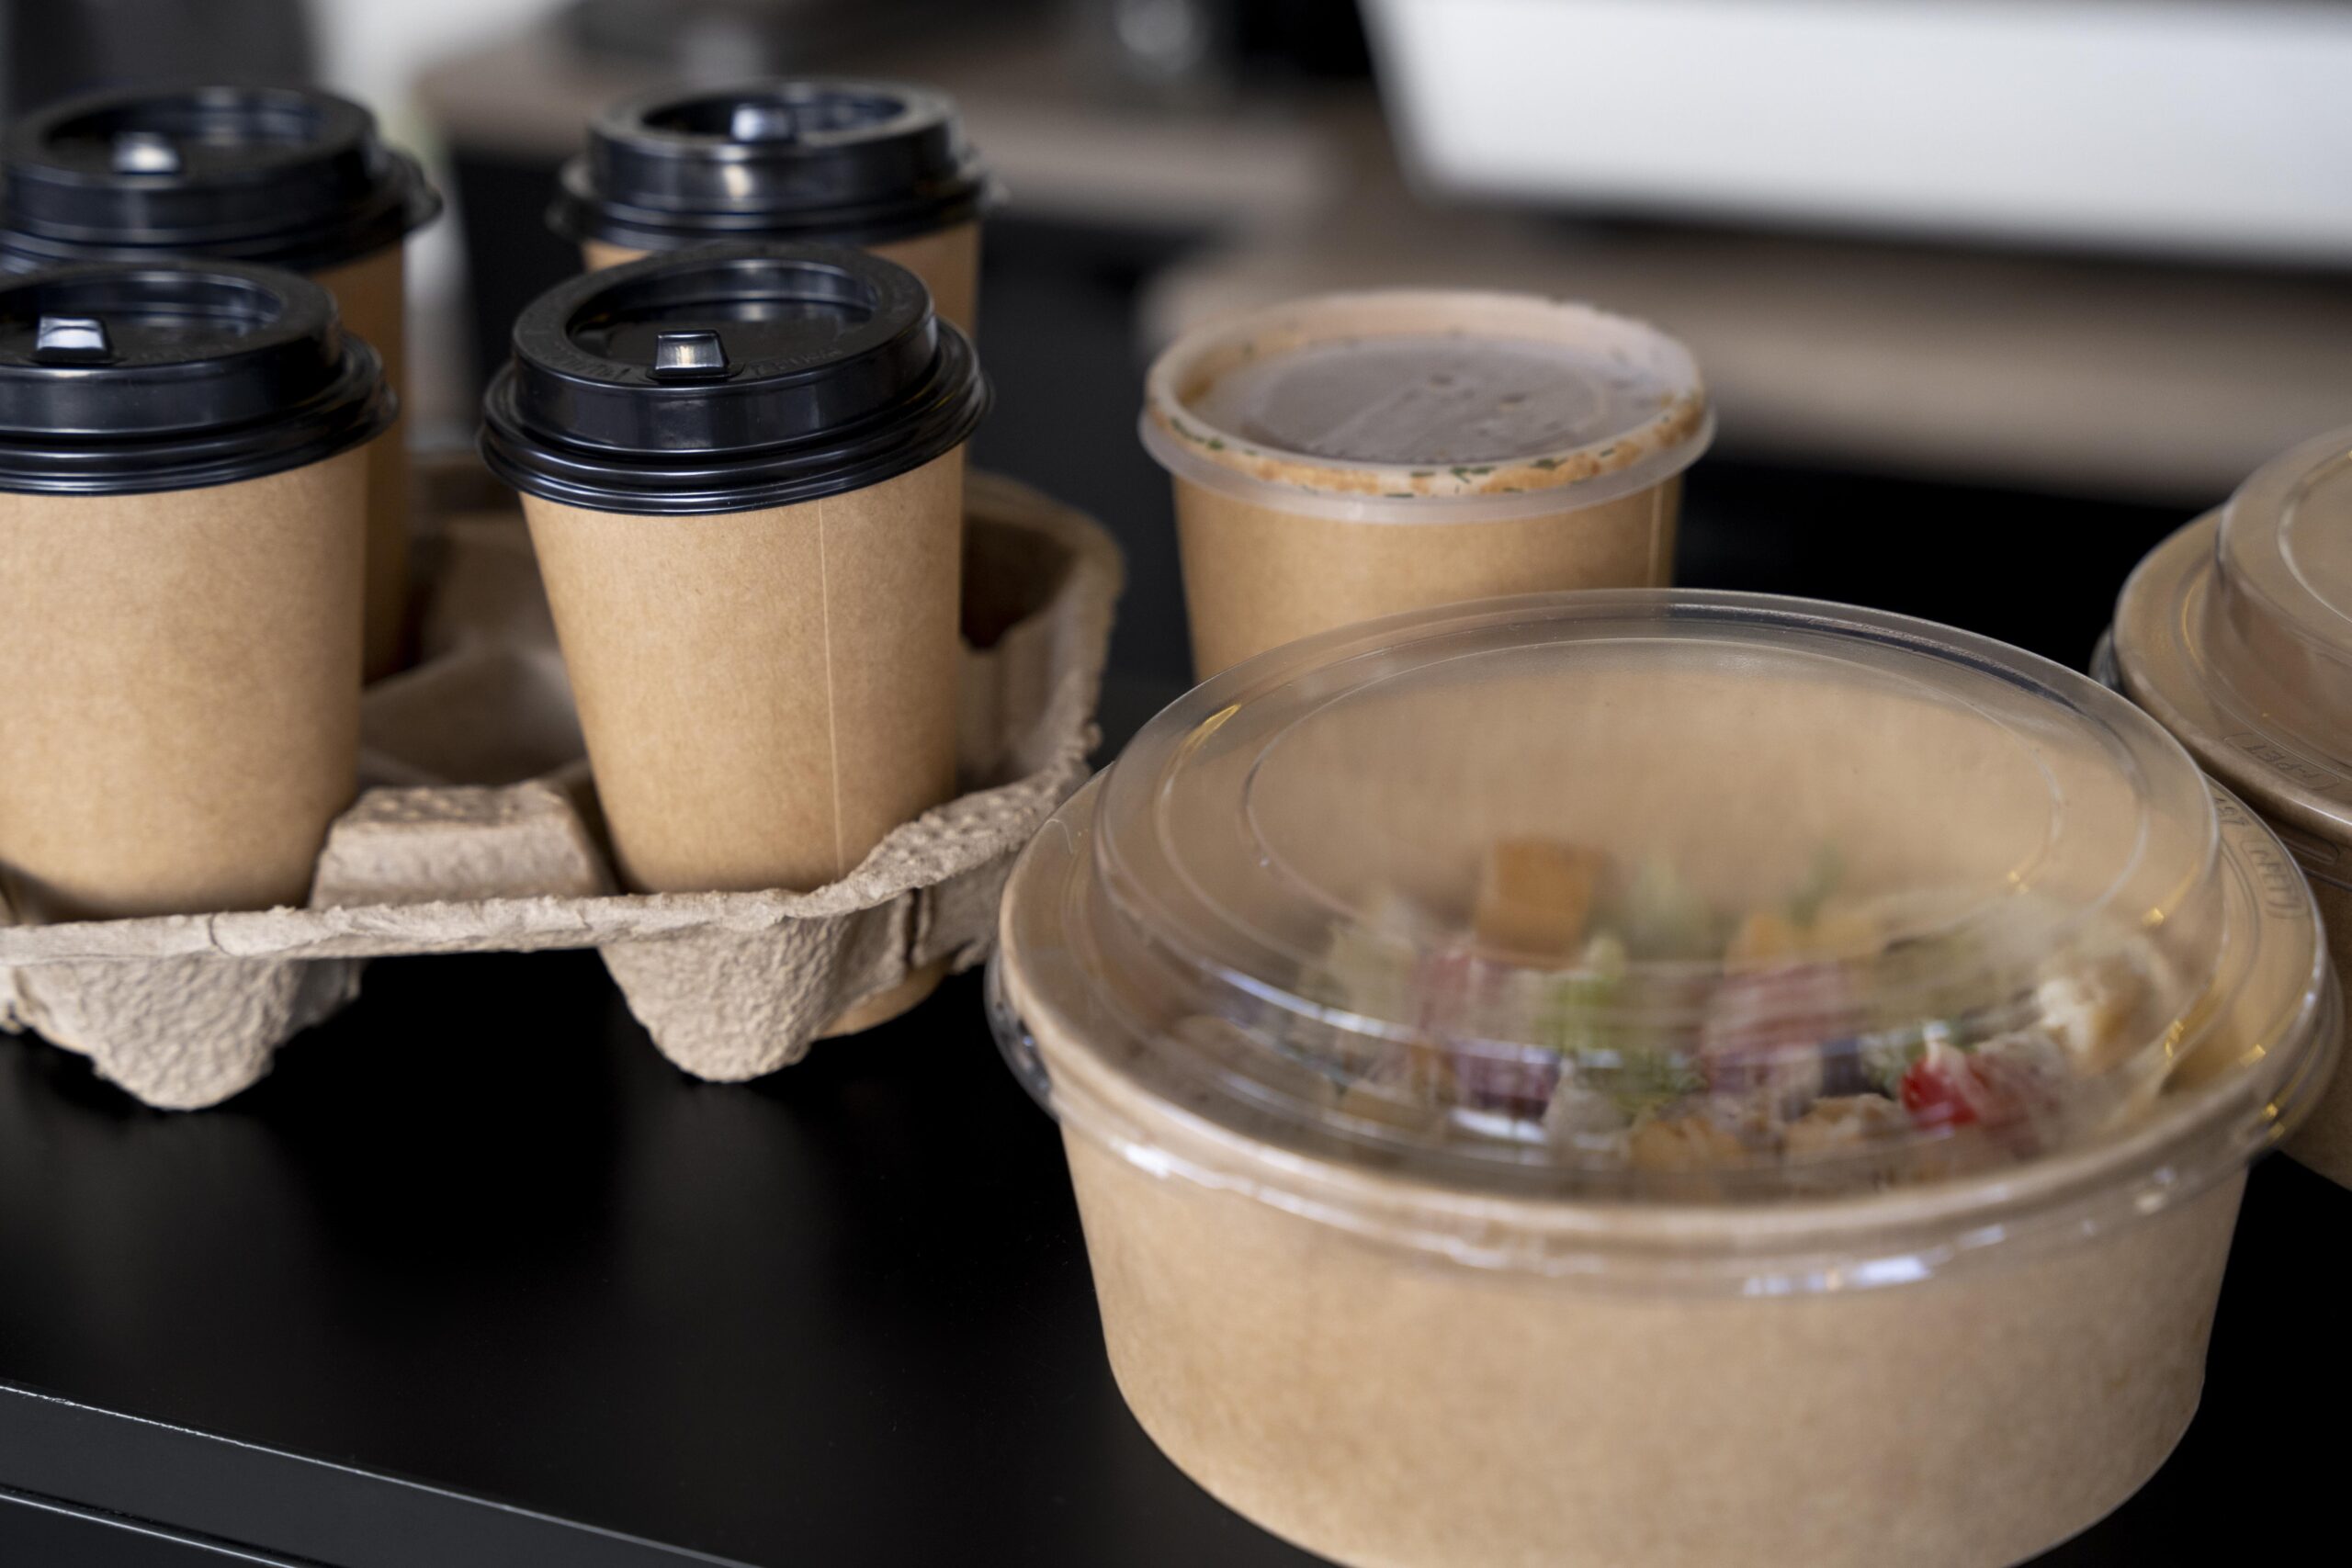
2238, 633
1403, 405
1652, 892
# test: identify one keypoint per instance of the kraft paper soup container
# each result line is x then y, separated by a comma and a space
742, 469
1646, 1079
2236, 634
183, 523
883, 166
1353, 456
282, 176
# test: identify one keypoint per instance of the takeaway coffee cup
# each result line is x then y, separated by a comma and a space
880, 164
1352, 455
282, 176
742, 469
2236, 634
183, 523
1654, 1079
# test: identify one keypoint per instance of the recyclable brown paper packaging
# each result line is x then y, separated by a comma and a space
1426, 1252
1257, 577
1355, 455
370, 292
762, 644
883, 166
284, 178
2236, 634
183, 1010
766, 694
184, 590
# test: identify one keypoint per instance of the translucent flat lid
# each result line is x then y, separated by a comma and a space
1429, 396
1433, 399
2238, 633
2281, 612
1626, 891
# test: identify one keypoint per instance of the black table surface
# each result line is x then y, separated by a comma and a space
475, 1277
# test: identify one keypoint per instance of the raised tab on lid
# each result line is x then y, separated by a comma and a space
728, 377
120, 377
72, 340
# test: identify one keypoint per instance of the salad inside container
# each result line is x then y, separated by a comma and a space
1650, 897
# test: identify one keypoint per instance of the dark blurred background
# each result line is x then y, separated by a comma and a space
1992, 295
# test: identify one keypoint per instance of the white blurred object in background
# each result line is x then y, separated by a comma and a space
373, 51
2211, 128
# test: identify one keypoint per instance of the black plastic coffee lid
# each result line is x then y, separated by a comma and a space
283, 176
728, 378
796, 159
122, 377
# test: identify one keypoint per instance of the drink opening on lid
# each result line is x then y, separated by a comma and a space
145, 314
689, 357
72, 340
145, 152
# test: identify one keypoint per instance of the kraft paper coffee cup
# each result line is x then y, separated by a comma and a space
281, 176
2236, 634
882, 165
183, 527
1661, 1079
742, 469
1353, 456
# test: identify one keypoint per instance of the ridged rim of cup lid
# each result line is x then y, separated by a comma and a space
904, 169
689, 421
1098, 944
1535, 483
97, 404
301, 202
2241, 645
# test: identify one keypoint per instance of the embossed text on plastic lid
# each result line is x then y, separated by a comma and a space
2237, 634
1426, 405
288, 176
795, 158
121, 377
728, 379
1747, 915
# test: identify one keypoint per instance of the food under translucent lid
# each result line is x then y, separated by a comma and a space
2237, 633
1427, 405
1655, 894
